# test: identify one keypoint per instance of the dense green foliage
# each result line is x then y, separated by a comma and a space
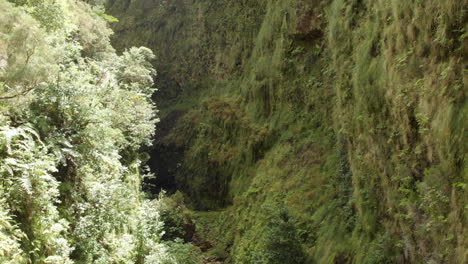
297, 131
73, 116
351, 114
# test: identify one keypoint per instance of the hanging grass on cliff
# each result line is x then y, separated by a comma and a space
351, 114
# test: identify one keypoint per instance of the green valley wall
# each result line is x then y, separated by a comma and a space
313, 131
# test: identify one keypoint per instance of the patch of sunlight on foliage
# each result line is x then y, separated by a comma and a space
73, 116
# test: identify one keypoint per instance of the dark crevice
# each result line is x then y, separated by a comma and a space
164, 158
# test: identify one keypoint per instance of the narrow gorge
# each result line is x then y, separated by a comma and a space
235, 132
312, 131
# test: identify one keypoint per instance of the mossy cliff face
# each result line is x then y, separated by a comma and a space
322, 131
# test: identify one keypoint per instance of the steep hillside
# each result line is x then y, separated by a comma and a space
312, 131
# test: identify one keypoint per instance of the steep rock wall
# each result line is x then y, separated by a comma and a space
322, 131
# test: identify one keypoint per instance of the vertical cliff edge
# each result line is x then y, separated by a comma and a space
312, 131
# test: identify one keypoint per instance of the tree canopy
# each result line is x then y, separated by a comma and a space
73, 116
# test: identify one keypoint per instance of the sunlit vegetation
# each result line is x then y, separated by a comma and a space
292, 132
73, 117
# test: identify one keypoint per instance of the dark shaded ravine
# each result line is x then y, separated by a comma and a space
164, 159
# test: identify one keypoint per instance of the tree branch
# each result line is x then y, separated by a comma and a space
16, 95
